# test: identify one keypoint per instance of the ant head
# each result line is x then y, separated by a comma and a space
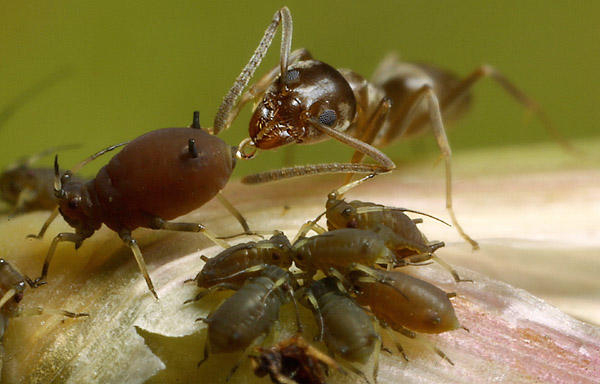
311, 92
281, 251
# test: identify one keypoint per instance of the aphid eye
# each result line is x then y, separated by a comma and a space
328, 117
292, 75
275, 256
74, 203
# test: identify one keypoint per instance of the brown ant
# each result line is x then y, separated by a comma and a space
304, 101
157, 177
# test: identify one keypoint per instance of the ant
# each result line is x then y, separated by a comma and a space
157, 177
305, 101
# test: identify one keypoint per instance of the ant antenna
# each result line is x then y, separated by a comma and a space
95, 156
341, 191
196, 121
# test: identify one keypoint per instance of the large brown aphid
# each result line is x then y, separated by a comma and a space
229, 269
305, 101
292, 361
242, 318
12, 287
157, 177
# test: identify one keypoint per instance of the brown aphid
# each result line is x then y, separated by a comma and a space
305, 101
339, 250
404, 302
157, 177
292, 361
12, 287
230, 268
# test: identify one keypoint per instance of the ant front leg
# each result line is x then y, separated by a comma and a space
158, 223
282, 16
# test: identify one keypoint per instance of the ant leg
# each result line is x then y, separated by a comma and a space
462, 89
158, 223
63, 236
47, 223
283, 17
435, 117
314, 169
258, 89
137, 254
234, 212
26, 196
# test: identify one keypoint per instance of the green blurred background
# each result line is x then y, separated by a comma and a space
140, 65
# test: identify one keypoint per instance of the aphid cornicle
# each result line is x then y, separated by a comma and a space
242, 318
189, 168
229, 268
305, 101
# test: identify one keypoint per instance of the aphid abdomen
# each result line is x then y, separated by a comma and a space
246, 315
405, 301
348, 330
156, 174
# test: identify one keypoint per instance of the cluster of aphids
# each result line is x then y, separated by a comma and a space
169, 172
359, 259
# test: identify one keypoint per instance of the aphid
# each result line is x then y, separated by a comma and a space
26, 188
12, 286
344, 326
229, 269
305, 101
404, 303
338, 251
189, 167
242, 318
292, 361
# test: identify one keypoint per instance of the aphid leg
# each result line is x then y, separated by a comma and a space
306, 227
245, 354
341, 191
47, 223
299, 328
63, 236
340, 279
283, 17
383, 208
313, 301
206, 353
214, 288
410, 334
449, 268
137, 254
374, 277
397, 345
158, 223
528, 103
7, 296
236, 214
36, 311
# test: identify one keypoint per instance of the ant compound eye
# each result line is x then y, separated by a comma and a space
328, 117
292, 76
347, 211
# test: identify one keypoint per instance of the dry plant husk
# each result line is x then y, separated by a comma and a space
538, 231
